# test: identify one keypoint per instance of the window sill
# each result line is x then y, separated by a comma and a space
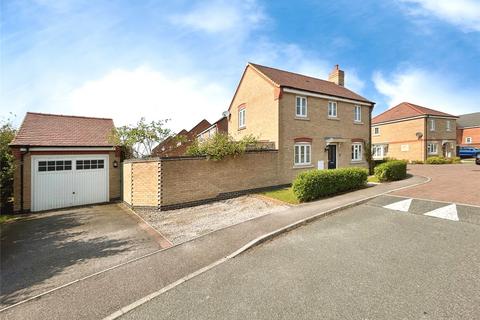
358, 122
357, 161
302, 118
303, 166
333, 118
376, 135
242, 128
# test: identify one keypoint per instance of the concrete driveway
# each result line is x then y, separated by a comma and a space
458, 183
366, 262
47, 250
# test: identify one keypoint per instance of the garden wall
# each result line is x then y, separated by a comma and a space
186, 181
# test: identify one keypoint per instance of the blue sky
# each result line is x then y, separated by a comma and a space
182, 59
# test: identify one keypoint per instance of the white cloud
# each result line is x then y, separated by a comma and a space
427, 89
127, 95
221, 16
462, 13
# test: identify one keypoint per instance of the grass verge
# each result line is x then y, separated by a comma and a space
284, 194
6, 217
373, 179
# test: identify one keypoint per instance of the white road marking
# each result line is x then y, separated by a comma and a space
449, 212
403, 205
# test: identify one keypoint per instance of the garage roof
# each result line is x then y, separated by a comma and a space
53, 130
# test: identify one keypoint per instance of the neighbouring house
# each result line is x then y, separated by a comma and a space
312, 122
63, 161
468, 130
412, 132
219, 126
177, 145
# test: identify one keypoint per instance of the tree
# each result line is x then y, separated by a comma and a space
221, 145
7, 133
138, 141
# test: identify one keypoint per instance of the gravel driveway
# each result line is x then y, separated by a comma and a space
185, 224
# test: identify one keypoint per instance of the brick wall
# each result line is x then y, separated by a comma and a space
140, 183
474, 133
187, 181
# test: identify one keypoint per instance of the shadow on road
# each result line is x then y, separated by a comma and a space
34, 250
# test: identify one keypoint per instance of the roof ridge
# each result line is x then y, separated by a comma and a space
291, 72
67, 116
414, 107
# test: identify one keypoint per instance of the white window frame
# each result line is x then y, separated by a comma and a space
302, 108
307, 154
357, 113
242, 121
449, 125
432, 148
376, 131
380, 154
432, 124
357, 150
332, 109
468, 140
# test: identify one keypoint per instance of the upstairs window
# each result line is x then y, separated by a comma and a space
432, 125
376, 131
301, 107
449, 126
468, 140
242, 118
357, 116
332, 109
357, 152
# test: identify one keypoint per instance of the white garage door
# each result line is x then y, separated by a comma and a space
65, 181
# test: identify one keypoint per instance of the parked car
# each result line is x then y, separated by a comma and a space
477, 159
468, 152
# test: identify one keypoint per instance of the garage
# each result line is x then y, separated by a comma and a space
64, 161
67, 181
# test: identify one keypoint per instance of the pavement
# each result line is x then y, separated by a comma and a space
46, 250
458, 183
106, 292
389, 258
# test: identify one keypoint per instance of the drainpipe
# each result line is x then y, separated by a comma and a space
425, 144
23, 151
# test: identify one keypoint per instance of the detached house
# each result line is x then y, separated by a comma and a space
468, 130
313, 123
411, 132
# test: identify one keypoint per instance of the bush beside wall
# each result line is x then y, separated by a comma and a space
314, 184
391, 170
443, 160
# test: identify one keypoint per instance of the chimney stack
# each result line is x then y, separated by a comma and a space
337, 76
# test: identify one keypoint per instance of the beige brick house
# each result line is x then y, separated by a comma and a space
313, 123
411, 132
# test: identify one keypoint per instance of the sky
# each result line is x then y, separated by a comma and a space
182, 60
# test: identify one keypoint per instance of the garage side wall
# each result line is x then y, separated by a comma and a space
191, 181
140, 183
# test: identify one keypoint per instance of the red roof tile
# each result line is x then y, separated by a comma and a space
40, 129
302, 82
407, 110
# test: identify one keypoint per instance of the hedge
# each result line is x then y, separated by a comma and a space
314, 184
391, 170
442, 160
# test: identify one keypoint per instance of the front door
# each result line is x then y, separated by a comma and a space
332, 156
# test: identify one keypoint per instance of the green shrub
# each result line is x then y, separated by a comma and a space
221, 145
391, 170
443, 160
314, 184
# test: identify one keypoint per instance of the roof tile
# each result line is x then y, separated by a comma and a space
41, 129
